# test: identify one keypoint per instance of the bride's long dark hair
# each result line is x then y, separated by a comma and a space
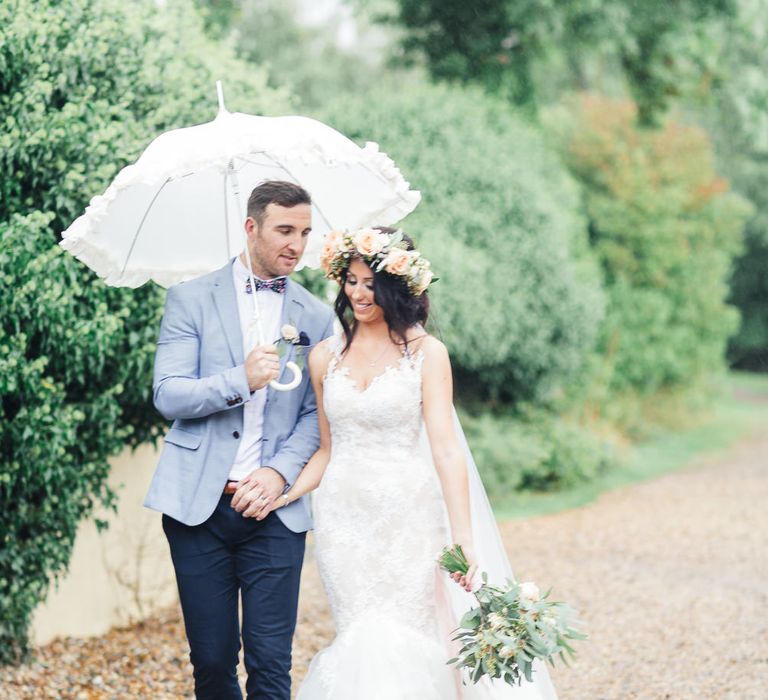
402, 310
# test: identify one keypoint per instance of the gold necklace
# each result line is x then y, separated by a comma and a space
373, 363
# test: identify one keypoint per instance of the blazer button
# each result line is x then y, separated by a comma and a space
235, 434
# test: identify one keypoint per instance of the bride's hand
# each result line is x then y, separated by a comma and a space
467, 581
278, 502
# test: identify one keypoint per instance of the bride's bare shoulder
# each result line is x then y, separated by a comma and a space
326, 346
428, 344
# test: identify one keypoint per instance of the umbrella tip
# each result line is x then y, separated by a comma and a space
220, 93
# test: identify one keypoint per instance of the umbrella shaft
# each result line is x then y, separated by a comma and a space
256, 319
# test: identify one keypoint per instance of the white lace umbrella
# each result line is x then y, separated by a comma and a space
177, 212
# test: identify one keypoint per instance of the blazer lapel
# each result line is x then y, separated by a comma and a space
226, 305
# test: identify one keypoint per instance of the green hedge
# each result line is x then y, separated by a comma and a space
537, 452
75, 368
518, 301
84, 85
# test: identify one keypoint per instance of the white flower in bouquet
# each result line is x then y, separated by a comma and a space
530, 591
507, 652
496, 620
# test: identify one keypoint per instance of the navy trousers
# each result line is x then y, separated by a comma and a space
225, 556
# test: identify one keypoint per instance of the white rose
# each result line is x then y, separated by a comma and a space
496, 621
289, 333
530, 590
506, 652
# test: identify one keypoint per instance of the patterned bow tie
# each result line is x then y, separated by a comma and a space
276, 285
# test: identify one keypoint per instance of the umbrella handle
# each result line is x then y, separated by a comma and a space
277, 386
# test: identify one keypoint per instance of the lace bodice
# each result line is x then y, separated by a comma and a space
377, 485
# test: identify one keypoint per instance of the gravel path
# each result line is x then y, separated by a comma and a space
671, 578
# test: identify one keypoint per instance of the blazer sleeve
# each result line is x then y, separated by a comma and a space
305, 438
178, 390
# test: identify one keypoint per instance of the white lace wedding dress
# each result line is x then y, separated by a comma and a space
379, 525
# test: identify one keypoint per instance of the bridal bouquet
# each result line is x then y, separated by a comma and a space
512, 626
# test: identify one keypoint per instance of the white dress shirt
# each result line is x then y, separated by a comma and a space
270, 304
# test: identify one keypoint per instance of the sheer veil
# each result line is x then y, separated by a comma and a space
453, 602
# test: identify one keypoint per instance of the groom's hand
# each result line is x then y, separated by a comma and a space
257, 490
262, 366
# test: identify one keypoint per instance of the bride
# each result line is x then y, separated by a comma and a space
388, 498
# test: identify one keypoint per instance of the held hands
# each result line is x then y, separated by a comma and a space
256, 493
278, 502
262, 366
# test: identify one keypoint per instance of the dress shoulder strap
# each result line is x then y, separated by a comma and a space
335, 344
415, 357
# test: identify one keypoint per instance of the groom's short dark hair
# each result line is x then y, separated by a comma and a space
286, 194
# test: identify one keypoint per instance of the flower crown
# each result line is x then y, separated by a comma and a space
383, 252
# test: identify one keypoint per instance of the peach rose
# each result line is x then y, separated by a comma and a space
327, 255
369, 241
397, 261
333, 238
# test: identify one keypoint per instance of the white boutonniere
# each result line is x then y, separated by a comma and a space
290, 336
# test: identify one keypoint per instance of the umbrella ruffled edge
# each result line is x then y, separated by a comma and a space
75, 239
108, 269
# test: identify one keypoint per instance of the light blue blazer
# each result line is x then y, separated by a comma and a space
200, 384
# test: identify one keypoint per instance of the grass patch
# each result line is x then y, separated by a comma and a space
739, 413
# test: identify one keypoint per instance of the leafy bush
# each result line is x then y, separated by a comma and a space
84, 85
518, 301
666, 230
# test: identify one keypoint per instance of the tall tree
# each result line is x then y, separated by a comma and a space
738, 120
660, 46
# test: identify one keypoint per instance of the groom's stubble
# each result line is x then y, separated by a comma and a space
277, 244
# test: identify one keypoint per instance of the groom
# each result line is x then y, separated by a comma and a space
235, 438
